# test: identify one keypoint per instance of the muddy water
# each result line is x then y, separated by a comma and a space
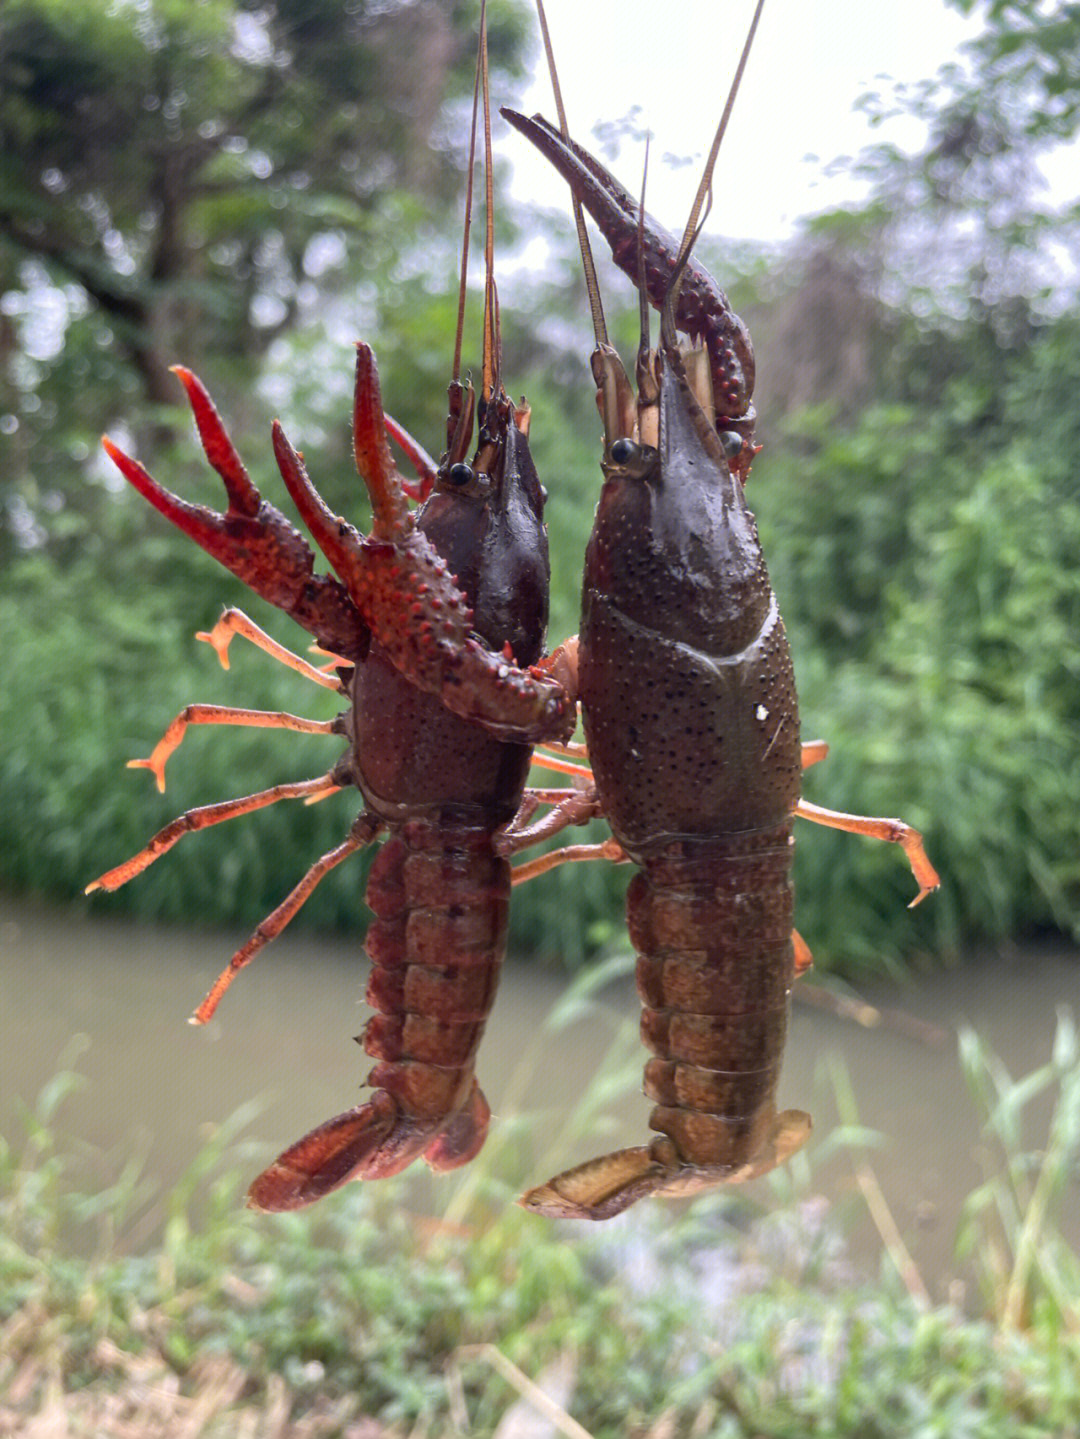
117, 995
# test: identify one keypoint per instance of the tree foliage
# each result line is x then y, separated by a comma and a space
917, 495
972, 231
178, 161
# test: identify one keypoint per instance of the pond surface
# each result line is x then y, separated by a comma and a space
110, 998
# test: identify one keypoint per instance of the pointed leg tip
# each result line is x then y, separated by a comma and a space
156, 770
219, 639
92, 886
927, 889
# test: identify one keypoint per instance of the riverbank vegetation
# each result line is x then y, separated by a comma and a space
733, 1316
728, 1317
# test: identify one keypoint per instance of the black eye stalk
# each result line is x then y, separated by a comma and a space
731, 442
462, 478
632, 459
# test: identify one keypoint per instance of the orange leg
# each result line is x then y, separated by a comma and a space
609, 849
804, 960
563, 766
893, 830
235, 622
571, 806
813, 752
202, 818
335, 661
222, 714
364, 830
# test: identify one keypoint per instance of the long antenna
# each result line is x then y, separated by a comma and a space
467, 227
588, 265
491, 298
642, 288
692, 230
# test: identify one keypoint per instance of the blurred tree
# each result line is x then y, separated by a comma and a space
972, 233
174, 178
178, 161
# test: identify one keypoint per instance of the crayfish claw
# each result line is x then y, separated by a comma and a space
252, 539
390, 514
244, 498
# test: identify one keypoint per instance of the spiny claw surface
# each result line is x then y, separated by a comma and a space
252, 538
403, 588
394, 584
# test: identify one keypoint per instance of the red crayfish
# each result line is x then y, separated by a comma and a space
434, 620
692, 728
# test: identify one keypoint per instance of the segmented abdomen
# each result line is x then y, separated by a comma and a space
440, 897
711, 923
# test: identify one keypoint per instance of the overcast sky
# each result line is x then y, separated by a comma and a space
811, 61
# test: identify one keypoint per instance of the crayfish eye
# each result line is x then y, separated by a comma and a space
731, 442
623, 451
460, 474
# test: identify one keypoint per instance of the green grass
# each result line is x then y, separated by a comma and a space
724, 1318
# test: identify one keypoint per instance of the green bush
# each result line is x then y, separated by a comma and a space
929, 571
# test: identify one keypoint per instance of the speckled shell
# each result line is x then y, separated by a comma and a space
692, 725
687, 685
711, 922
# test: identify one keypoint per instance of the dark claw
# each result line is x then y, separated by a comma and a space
702, 308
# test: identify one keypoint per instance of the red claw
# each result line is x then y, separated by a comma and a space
244, 498
252, 538
393, 574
